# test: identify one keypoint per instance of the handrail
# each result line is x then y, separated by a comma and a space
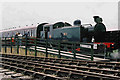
51, 46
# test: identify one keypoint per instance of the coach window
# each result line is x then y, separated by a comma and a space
2, 35
28, 32
31, 32
58, 25
35, 32
24, 32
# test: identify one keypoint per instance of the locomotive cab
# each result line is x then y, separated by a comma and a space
47, 31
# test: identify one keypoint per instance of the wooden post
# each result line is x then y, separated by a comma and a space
35, 47
17, 46
5, 45
26, 45
11, 45
74, 46
46, 47
92, 52
59, 48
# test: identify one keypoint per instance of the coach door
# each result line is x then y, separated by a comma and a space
46, 29
40, 29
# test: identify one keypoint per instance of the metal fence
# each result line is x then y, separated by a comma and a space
74, 50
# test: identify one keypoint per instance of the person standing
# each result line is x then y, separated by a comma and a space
16, 37
99, 29
20, 39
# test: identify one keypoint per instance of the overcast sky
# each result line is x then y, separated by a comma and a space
27, 13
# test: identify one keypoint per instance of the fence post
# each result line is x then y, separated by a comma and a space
46, 47
105, 51
26, 45
74, 52
17, 45
59, 48
11, 44
92, 52
5, 45
35, 47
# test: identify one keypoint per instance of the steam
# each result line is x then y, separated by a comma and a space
115, 55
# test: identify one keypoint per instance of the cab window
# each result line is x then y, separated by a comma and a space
47, 28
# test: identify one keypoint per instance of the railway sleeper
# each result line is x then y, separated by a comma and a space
53, 78
24, 63
116, 67
47, 77
93, 78
83, 68
39, 76
29, 67
34, 59
76, 76
19, 70
45, 66
56, 61
20, 65
47, 60
105, 66
82, 64
71, 67
29, 72
50, 71
39, 69
17, 75
92, 65
14, 64
4, 70
6, 62
73, 63
63, 74
10, 73
64, 62
25, 78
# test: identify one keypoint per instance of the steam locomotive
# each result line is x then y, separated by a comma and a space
79, 33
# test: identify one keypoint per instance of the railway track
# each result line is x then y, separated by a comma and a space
61, 69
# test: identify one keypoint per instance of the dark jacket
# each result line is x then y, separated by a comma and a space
99, 27
99, 31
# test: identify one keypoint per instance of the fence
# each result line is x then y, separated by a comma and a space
74, 50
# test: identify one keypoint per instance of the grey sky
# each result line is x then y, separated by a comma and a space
21, 13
